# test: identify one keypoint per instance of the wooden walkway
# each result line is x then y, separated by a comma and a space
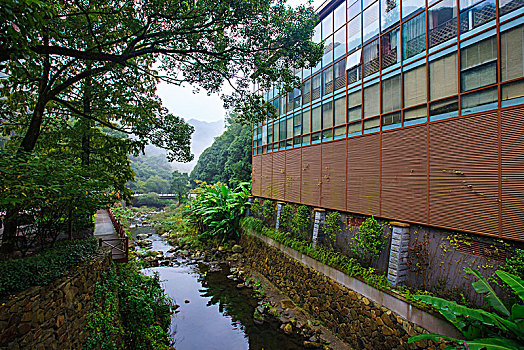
105, 230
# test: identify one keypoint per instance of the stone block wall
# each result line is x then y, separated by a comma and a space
53, 316
356, 319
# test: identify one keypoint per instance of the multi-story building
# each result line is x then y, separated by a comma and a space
415, 113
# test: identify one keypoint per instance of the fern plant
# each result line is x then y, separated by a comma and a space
502, 329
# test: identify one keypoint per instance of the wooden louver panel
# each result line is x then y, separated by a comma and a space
279, 175
513, 174
256, 175
267, 173
334, 175
293, 172
464, 174
311, 175
404, 175
363, 178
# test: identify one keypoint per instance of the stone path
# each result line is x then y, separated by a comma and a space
104, 230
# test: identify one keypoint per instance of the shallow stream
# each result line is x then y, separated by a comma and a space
214, 314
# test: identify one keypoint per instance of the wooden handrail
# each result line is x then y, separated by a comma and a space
121, 232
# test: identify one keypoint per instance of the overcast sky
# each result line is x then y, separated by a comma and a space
181, 101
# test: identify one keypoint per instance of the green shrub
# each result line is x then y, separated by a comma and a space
501, 329
151, 200
45, 267
515, 264
369, 241
332, 227
300, 223
130, 311
286, 213
268, 211
256, 208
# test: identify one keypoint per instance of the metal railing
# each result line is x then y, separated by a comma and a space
119, 246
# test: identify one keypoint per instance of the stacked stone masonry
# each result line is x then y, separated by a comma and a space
359, 321
52, 316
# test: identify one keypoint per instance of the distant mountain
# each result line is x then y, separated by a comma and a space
202, 138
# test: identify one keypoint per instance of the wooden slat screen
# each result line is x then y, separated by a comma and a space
279, 175
267, 172
311, 175
334, 175
293, 172
256, 178
363, 182
404, 174
512, 174
463, 174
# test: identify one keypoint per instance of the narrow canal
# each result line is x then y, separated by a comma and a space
213, 313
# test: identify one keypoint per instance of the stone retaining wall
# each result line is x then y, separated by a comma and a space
358, 320
52, 316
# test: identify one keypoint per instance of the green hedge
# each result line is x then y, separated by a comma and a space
45, 267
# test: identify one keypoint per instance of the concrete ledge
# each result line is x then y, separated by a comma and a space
405, 310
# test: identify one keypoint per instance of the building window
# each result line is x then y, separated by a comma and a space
355, 106
327, 114
442, 22
276, 103
327, 26
414, 36
327, 81
512, 53
393, 119
297, 124
506, 6
340, 110
371, 63
472, 17
282, 133
389, 45
339, 15
444, 107
371, 100
270, 133
411, 6
371, 125
353, 67
354, 39
340, 43
355, 129
478, 64
306, 122
316, 87
443, 77
479, 98
297, 94
415, 113
391, 94
513, 90
327, 59
340, 74
289, 130
315, 119
316, 34
353, 8
283, 104
306, 91
415, 86
390, 13
289, 101
370, 22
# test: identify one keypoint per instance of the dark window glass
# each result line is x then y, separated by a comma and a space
297, 94
371, 63
478, 64
306, 91
390, 13
393, 118
327, 81
390, 48
354, 39
442, 22
477, 15
506, 6
340, 74
316, 87
370, 22
443, 106
414, 36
